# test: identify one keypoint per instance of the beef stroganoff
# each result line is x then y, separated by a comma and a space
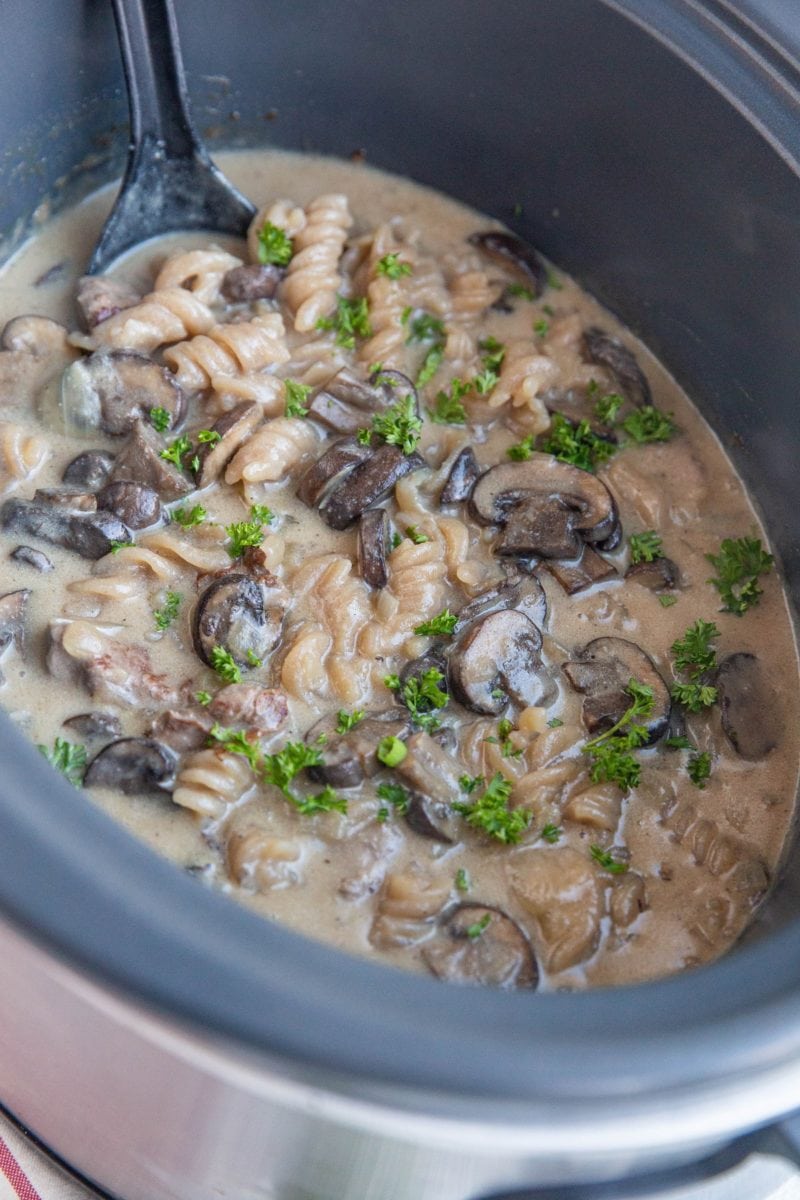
374, 574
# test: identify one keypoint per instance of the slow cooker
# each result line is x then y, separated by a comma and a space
168, 1045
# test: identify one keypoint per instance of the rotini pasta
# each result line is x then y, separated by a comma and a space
242, 348
273, 450
283, 214
210, 781
162, 318
313, 278
23, 453
199, 271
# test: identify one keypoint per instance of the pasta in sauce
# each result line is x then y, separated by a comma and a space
391, 587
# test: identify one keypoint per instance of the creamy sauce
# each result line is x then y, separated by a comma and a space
698, 860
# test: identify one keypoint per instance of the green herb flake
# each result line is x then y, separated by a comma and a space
209, 437
392, 268
203, 698
468, 783
391, 751
237, 741
397, 796
346, 721
519, 290
474, 931
507, 747
667, 601
554, 723
647, 424
462, 880
607, 407
576, 444
521, 451
612, 760
553, 281
606, 860
274, 245
160, 419
261, 513
695, 655
739, 565
67, 757
551, 833
225, 665
441, 625
645, 547
416, 536
252, 659
243, 534
396, 539
699, 768
399, 425
177, 450
117, 546
541, 327
678, 743
422, 696
350, 321
447, 407
296, 395
426, 328
490, 813
430, 365
281, 769
188, 518
165, 615
324, 802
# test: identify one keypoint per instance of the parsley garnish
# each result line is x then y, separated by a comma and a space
194, 516
209, 437
160, 419
399, 425
739, 564
554, 723
475, 930
493, 354
175, 452
261, 512
576, 444
462, 880
236, 741
350, 321
280, 770
606, 860
421, 695
645, 547
441, 625
224, 664
647, 424
396, 795
699, 768
274, 245
551, 833
541, 327
416, 536
521, 451
427, 328
468, 783
391, 266
166, 615
242, 535
607, 407
612, 761
695, 655
490, 813
396, 539
346, 721
391, 751
203, 698
117, 546
325, 801
447, 407
253, 659
296, 396
67, 757
507, 747
519, 289
667, 601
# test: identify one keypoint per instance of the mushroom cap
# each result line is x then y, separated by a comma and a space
587, 570
367, 484
134, 765
468, 948
330, 468
349, 758
602, 671
233, 613
607, 351
569, 502
510, 250
234, 428
750, 717
111, 390
461, 477
90, 469
497, 657
659, 575
433, 775
134, 503
90, 534
373, 547
251, 281
140, 460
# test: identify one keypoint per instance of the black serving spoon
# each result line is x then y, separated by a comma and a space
170, 181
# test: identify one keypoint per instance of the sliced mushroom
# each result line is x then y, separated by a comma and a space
73, 499
480, 944
433, 659
393, 386
32, 350
562, 890
94, 724
750, 717
135, 766
349, 758
90, 469
497, 658
367, 484
510, 250
343, 456
546, 507
140, 460
433, 775
250, 705
345, 402
516, 591
408, 904
90, 534
461, 477
100, 298
373, 547
603, 670
234, 429
111, 390
252, 281
13, 607
589, 569
134, 503
660, 575
609, 352
39, 336
240, 615
182, 729
32, 558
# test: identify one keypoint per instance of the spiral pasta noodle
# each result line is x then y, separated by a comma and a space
241, 348
209, 781
283, 214
22, 455
272, 451
163, 317
312, 278
416, 592
199, 271
524, 375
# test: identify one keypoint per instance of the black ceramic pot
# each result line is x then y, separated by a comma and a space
168, 1044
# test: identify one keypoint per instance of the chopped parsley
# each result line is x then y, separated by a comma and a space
645, 547
280, 770
462, 880
468, 783
441, 625
541, 327
296, 396
519, 289
475, 930
225, 665
576, 444
607, 407
236, 741
188, 518
551, 833
203, 698
447, 407
253, 659
696, 656
261, 512
274, 245
160, 419
391, 751
427, 328
177, 450
416, 536
699, 768
350, 321
397, 796
667, 601
612, 761
493, 353
209, 437
739, 564
67, 757
396, 539
647, 424
166, 615
391, 266
346, 721
243, 534
421, 695
399, 425
490, 813
117, 546
325, 801
503, 739
606, 860
554, 723
521, 451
